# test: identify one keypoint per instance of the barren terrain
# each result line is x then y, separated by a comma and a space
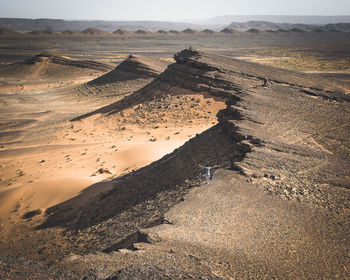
100, 154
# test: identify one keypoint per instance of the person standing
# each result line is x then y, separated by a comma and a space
208, 172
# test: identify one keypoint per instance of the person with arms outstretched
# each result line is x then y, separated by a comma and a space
208, 172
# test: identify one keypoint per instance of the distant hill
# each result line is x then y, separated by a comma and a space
261, 25
344, 27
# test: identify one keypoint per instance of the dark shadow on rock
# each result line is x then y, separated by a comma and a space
147, 271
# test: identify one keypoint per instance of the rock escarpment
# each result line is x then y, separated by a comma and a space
240, 128
161, 184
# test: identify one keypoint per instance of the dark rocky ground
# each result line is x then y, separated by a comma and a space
331, 45
277, 207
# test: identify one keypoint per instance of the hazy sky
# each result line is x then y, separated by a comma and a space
167, 9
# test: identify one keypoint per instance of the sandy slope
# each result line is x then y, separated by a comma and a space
45, 159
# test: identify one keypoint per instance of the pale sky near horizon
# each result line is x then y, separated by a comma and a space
166, 9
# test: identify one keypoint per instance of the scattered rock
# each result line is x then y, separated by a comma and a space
31, 214
103, 171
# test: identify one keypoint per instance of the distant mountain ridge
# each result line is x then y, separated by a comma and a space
59, 25
265, 25
313, 20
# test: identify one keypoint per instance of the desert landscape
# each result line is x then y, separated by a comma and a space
103, 135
